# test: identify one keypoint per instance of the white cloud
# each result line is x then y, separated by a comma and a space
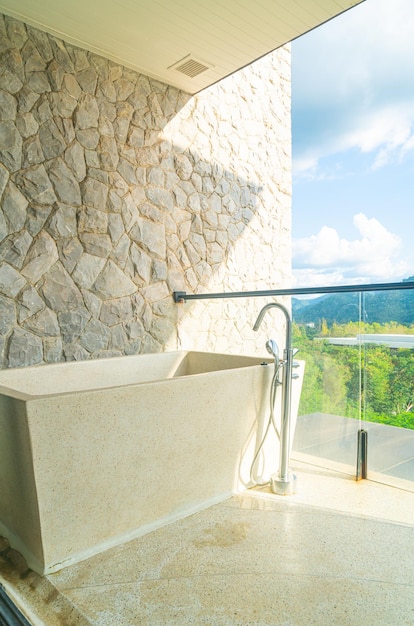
326, 258
387, 131
352, 86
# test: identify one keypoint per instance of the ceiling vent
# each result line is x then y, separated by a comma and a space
190, 66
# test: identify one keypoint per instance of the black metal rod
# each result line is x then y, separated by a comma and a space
9, 613
183, 296
362, 455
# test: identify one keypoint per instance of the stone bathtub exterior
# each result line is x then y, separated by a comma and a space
116, 190
97, 452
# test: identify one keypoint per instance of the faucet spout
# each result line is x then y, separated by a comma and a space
284, 310
284, 482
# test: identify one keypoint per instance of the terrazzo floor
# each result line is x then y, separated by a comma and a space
337, 552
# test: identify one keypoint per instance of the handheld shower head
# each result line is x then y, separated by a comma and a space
272, 348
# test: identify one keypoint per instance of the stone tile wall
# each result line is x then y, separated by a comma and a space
116, 190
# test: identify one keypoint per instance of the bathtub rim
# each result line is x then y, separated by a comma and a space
18, 394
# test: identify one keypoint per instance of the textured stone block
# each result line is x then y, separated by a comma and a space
7, 315
113, 283
64, 183
25, 349
42, 255
11, 282
59, 291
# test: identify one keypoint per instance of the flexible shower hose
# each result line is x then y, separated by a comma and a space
273, 388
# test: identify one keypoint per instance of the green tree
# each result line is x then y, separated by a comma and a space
378, 367
402, 382
324, 332
347, 379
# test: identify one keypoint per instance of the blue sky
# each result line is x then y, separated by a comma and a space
353, 147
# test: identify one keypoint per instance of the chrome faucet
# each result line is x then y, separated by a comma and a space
284, 482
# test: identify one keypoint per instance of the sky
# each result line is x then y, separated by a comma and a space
353, 147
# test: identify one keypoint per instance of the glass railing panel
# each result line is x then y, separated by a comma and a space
388, 386
359, 374
330, 405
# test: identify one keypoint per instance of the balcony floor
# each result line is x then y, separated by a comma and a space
337, 552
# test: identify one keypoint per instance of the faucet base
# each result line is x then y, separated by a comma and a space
283, 487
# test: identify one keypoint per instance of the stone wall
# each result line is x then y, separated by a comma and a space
116, 190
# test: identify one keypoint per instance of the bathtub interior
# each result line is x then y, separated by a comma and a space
204, 362
74, 377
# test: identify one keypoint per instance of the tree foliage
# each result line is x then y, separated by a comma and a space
370, 381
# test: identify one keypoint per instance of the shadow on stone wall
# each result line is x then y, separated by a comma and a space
105, 209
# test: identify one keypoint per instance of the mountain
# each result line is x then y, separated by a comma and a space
379, 306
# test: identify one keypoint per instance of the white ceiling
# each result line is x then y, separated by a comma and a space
151, 36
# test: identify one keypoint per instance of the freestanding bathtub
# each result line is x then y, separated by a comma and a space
95, 453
